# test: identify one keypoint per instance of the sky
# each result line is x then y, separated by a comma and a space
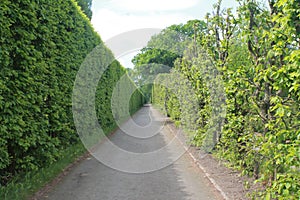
114, 17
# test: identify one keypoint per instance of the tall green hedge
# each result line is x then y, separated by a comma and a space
110, 107
42, 45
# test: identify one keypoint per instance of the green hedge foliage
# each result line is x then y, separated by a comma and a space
258, 61
42, 46
109, 107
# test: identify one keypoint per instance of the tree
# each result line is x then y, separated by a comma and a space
163, 50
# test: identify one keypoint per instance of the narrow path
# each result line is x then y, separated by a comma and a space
169, 173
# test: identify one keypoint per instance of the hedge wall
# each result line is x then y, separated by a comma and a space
256, 81
111, 108
42, 45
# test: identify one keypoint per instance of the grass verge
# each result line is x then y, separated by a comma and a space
23, 187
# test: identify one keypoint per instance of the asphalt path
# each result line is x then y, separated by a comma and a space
140, 161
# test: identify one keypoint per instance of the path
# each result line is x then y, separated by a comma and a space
179, 180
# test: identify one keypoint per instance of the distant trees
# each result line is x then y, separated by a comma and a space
162, 51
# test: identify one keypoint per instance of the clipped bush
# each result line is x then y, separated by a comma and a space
42, 46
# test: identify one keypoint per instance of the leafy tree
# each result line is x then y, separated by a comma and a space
163, 50
153, 55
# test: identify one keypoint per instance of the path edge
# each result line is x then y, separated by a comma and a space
197, 162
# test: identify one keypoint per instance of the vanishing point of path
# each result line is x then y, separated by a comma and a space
127, 178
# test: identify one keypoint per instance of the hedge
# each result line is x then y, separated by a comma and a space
42, 46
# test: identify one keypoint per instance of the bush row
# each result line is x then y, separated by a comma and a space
256, 62
42, 46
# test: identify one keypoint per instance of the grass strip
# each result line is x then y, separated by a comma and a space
25, 186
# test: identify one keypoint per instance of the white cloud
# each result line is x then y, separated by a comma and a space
153, 5
126, 59
109, 23
113, 17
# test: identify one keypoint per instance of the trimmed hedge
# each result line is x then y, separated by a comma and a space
110, 108
257, 70
42, 45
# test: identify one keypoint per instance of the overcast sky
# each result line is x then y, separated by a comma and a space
113, 17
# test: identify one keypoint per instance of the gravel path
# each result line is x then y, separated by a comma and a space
141, 161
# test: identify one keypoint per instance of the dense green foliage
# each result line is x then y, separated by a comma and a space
42, 45
161, 53
25, 186
257, 57
109, 107
86, 7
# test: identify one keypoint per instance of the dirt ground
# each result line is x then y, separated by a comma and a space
229, 182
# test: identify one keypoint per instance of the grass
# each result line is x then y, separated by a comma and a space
23, 187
